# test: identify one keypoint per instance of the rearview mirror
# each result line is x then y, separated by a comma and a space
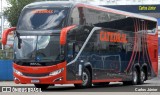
5, 34
19, 43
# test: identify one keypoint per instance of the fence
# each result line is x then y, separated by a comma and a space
6, 70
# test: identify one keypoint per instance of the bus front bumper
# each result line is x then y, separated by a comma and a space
55, 74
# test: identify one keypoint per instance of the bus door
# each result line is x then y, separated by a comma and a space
70, 55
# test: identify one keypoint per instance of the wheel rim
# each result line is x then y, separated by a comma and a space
84, 78
135, 77
142, 76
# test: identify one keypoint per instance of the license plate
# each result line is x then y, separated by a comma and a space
35, 81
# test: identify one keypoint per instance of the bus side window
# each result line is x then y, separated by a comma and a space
71, 50
75, 17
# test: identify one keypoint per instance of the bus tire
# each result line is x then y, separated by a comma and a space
86, 79
42, 86
103, 84
142, 77
134, 77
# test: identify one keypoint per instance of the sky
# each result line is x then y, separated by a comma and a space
4, 4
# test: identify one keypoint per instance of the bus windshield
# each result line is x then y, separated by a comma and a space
42, 18
37, 48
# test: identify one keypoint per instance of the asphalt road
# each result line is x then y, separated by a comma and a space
116, 88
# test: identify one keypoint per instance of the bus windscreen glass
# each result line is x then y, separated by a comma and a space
42, 18
37, 48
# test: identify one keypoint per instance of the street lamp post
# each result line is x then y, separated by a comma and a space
2, 23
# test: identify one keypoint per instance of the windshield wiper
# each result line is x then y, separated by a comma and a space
19, 40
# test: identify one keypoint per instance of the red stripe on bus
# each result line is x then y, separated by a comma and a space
136, 44
146, 45
107, 80
133, 51
74, 82
139, 47
143, 39
136, 37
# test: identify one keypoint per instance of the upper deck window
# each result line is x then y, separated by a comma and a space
42, 18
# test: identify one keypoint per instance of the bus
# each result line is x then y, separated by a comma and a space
58, 42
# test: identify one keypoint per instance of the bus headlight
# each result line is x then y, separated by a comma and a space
17, 72
56, 72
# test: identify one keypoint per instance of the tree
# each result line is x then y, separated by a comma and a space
14, 10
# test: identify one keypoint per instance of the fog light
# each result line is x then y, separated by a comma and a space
17, 72
16, 80
58, 79
56, 72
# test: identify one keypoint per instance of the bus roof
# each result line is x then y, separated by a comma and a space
51, 4
100, 8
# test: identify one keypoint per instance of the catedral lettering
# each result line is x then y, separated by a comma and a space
42, 11
113, 37
68, 46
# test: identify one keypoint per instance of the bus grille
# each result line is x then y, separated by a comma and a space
36, 75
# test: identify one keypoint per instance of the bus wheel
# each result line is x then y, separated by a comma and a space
101, 84
42, 86
135, 77
86, 79
142, 76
